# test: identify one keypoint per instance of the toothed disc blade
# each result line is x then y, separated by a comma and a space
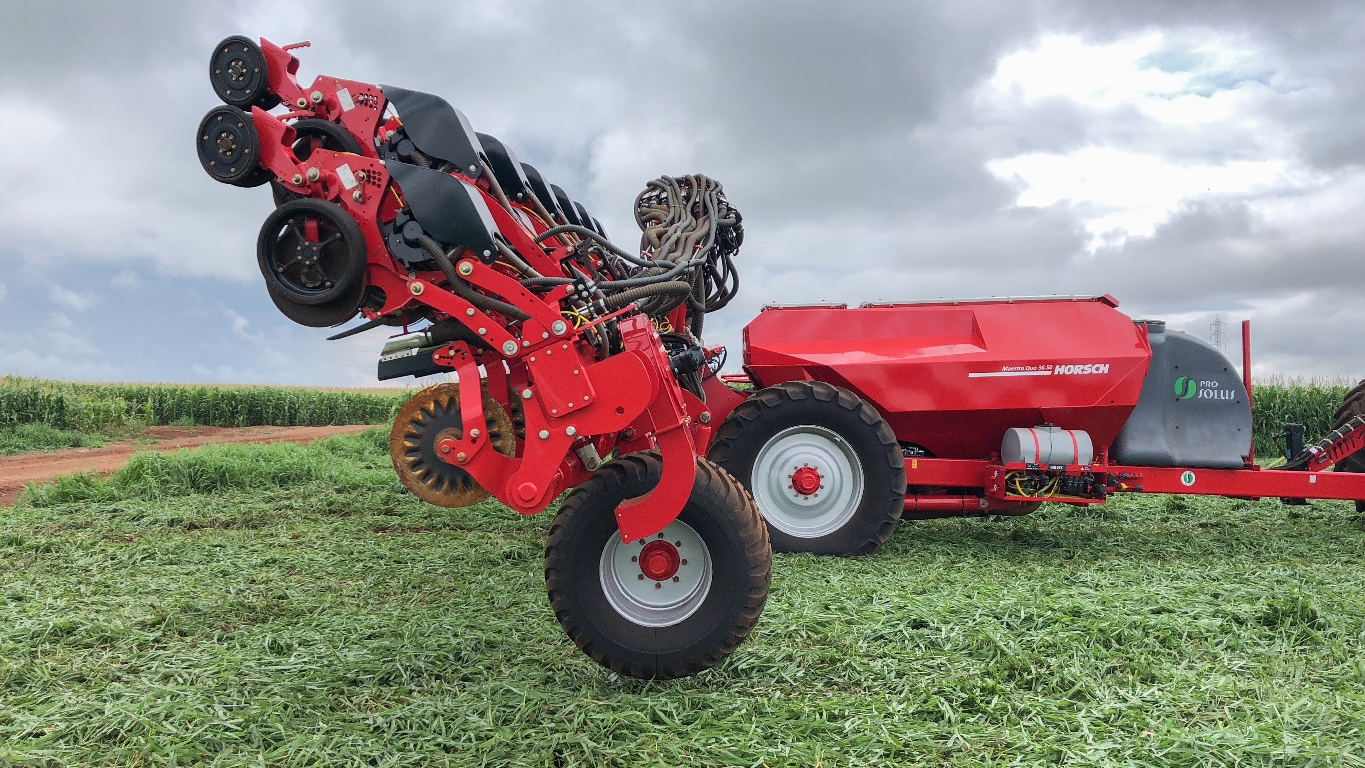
429, 417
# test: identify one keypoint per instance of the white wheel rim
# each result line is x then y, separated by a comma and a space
807, 515
637, 595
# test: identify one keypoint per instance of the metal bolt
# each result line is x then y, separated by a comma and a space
705, 417
302, 102
314, 174
559, 327
483, 331
466, 268
298, 179
575, 371
527, 344
509, 347
461, 457
544, 335
475, 169
571, 431
473, 434
316, 96
487, 254
526, 394
544, 434
469, 312
415, 288
358, 196
445, 449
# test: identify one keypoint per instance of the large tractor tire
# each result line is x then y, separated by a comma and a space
669, 605
823, 466
1353, 405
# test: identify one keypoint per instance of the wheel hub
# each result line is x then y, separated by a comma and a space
659, 560
660, 581
237, 70
806, 480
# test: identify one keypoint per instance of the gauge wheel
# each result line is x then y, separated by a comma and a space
822, 465
668, 605
229, 149
239, 74
427, 418
311, 252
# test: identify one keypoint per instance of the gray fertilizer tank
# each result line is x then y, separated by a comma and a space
1193, 410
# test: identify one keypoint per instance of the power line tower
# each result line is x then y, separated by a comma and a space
1218, 334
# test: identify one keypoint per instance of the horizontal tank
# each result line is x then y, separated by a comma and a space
952, 377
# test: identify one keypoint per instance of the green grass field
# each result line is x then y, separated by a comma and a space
287, 605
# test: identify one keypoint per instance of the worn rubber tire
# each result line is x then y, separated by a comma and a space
736, 445
1352, 405
719, 511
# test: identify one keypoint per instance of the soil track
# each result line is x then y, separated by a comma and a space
18, 471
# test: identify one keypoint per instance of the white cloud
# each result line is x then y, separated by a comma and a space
1127, 194
1199, 100
76, 302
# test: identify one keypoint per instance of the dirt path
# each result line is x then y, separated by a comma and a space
18, 471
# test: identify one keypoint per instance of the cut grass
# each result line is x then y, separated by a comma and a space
326, 617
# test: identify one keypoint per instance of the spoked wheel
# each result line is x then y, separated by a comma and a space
426, 419
314, 133
311, 252
669, 605
229, 148
823, 466
239, 75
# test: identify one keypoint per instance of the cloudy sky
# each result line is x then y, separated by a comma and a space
1194, 159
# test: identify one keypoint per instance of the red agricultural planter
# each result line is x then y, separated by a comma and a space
581, 368
567, 349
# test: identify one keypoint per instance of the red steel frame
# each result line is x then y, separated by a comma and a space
570, 398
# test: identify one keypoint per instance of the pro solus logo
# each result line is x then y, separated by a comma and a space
1187, 388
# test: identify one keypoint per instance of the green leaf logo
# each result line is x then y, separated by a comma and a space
1185, 388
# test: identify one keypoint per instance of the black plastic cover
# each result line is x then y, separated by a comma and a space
438, 129
543, 193
583, 216
565, 205
1193, 410
450, 210
506, 168
410, 362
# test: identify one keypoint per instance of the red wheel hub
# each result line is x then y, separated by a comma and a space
806, 480
659, 560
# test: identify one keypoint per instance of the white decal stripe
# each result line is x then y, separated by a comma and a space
1007, 373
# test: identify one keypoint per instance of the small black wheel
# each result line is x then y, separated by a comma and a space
313, 133
1353, 405
823, 466
326, 315
670, 605
239, 74
229, 148
311, 252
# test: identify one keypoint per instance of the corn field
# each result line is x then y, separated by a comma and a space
108, 408
115, 407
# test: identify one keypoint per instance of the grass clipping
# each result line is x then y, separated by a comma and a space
288, 605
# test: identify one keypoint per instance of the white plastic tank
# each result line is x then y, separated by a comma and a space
1047, 444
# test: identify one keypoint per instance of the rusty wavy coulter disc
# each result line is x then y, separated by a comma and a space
430, 416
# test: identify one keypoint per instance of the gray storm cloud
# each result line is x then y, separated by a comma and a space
887, 150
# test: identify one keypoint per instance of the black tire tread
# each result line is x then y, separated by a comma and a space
636, 468
727, 439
